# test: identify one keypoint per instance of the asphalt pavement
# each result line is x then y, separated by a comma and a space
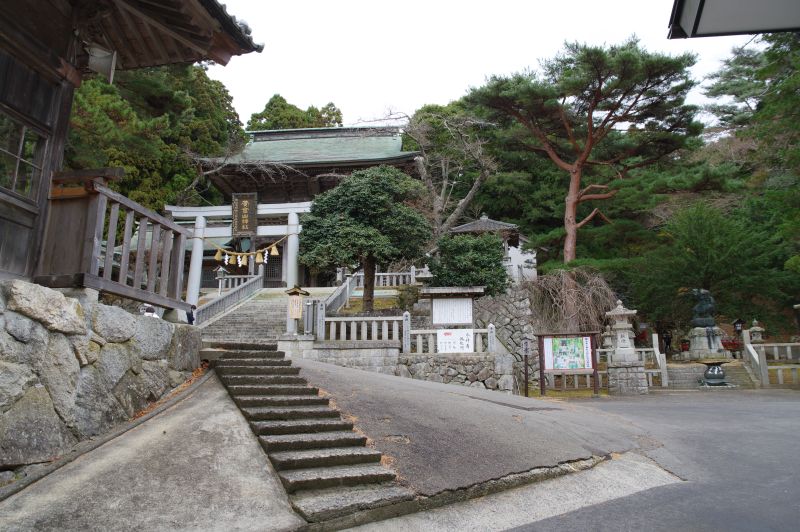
446, 437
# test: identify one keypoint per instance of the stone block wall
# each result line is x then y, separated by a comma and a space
479, 370
511, 314
71, 368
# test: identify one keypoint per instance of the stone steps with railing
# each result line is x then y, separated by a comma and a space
324, 465
255, 318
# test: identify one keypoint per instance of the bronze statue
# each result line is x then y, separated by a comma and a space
704, 310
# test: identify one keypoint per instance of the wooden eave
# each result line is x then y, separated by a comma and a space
147, 33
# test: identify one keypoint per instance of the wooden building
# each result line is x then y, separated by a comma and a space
46, 47
287, 169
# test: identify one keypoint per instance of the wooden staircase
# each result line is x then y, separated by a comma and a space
324, 465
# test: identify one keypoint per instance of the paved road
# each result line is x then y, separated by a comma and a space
196, 466
444, 437
737, 454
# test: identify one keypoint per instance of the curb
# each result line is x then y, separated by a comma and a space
92, 444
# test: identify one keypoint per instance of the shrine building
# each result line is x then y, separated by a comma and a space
285, 169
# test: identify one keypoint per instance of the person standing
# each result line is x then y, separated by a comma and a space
190, 315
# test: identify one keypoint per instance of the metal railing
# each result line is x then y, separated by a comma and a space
150, 271
227, 301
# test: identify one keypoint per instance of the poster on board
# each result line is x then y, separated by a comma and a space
567, 353
455, 340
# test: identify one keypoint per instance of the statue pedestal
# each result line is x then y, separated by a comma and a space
705, 342
627, 378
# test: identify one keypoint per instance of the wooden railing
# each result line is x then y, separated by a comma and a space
228, 300
229, 282
360, 329
74, 256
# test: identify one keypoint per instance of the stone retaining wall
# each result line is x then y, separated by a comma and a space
71, 368
484, 370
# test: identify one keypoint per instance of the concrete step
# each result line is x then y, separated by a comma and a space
253, 346
311, 440
247, 354
267, 413
335, 456
299, 426
233, 380
257, 370
245, 401
328, 477
237, 390
325, 504
252, 362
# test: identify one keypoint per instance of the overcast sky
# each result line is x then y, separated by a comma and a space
370, 57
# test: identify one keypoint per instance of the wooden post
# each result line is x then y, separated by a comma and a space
525, 368
542, 388
596, 386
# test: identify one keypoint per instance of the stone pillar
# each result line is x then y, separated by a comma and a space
626, 374
196, 262
292, 249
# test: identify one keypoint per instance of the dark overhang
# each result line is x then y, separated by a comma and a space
709, 18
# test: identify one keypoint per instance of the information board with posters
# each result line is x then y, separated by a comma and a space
451, 311
244, 207
566, 354
455, 340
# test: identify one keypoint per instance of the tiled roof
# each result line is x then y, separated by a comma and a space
484, 225
324, 145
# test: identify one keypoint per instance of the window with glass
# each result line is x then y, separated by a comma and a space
21, 155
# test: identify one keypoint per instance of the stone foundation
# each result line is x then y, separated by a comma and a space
627, 378
493, 371
71, 368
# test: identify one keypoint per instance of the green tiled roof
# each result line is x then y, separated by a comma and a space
323, 145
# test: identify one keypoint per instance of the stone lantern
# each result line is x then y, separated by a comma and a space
626, 374
622, 333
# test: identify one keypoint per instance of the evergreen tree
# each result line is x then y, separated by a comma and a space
364, 220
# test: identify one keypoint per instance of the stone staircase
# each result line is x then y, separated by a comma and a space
258, 317
324, 465
736, 373
687, 376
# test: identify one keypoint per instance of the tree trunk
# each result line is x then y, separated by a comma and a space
368, 299
570, 242
570, 214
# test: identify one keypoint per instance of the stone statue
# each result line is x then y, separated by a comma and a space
704, 310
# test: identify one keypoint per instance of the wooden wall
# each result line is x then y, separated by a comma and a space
35, 39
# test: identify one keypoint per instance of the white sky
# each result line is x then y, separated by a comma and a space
370, 57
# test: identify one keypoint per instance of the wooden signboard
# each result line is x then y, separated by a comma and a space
451, 311
568, 354
295, 307
244, 207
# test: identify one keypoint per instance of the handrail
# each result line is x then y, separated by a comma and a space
232, 281
149, 272
340, 296
223, 303
757, 359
